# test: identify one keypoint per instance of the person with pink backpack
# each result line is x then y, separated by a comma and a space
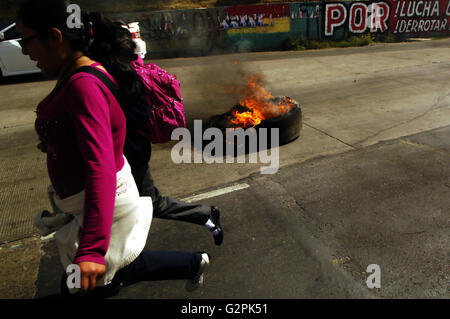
162, 93
83, 130
151, 119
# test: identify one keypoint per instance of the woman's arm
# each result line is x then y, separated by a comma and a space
90, 112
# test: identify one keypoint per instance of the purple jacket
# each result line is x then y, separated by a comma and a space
83, 129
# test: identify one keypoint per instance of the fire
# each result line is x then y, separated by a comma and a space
246, 119
261, 104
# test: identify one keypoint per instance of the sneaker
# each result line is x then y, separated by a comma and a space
197, 281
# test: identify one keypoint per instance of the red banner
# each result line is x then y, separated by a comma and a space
276, 10
394, 16
263, 18
419, 16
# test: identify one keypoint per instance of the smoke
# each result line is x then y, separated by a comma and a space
212, 88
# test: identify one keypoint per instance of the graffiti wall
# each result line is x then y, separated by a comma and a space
268, 26
256, 27
306, 20
420, 16
344, 19
257, 19
415, 17
181, 32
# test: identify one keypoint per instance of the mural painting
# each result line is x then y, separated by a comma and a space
180, 32
257, 19
267, 26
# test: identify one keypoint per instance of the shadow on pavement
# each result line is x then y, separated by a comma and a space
50, 272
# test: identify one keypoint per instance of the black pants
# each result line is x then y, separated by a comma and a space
168, 207
148, 266
155, 265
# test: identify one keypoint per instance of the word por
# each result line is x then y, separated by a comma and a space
213, 152
360, 16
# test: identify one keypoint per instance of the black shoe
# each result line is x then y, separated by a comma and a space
215, 217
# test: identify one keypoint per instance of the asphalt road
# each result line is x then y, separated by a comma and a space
366, 183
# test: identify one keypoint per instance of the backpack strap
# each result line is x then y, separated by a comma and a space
115, 90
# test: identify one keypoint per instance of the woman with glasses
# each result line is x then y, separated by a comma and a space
82, 129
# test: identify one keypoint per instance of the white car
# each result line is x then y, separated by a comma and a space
12, 60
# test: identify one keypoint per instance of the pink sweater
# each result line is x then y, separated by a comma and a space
83, 129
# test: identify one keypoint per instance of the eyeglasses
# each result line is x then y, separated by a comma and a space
27, 39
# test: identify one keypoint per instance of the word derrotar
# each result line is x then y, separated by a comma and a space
214, 152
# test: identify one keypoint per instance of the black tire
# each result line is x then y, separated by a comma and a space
289, 125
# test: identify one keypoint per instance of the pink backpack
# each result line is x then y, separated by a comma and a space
162, 92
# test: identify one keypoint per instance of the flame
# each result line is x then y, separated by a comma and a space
260, 103
246, 119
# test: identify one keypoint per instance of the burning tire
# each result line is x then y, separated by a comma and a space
289, 124
282, 113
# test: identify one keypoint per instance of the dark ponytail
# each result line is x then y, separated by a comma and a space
99, 38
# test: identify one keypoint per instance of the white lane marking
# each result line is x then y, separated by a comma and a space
215, 193
49, 237
191, 199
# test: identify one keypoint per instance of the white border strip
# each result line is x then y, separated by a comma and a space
217, 192
49, 237
191, 199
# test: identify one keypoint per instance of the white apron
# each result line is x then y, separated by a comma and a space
131, 224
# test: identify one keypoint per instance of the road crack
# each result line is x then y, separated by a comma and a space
329, 135
435, 106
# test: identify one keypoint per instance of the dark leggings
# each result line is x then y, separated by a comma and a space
148, 266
